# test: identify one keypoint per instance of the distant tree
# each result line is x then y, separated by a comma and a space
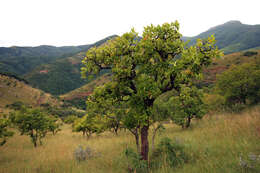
250, 53
4, 132
142, 70
17, 105
70, 119
31, 122
54, 124
240, 84
88, 125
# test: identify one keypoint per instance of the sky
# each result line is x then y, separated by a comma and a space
78, 22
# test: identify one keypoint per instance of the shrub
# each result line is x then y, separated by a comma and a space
214, 102
81, 154
171, 153
135, 162
4, 132
249, 53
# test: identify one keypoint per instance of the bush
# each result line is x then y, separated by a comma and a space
4, 132
135, 162
171, 153
249, 53
81, 154
214, 102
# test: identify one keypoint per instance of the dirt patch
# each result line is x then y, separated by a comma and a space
44, 71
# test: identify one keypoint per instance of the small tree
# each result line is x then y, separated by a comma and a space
4, 132
143, 69
186, 105
54, 125
89, 125
31, 122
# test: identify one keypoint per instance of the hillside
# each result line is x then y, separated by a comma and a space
224, 63
232, 36
61, 75
78, 96
21, 60
13, 90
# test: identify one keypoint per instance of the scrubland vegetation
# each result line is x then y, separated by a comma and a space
213, 144
151, 113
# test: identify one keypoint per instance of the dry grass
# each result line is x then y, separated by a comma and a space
215, 144
12, 90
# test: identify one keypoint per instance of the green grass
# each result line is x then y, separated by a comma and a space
213, 143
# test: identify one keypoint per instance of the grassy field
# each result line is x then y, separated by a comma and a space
214, 143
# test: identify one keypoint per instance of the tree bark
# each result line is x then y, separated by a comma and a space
154, 134
137, 142
144, 142
136, 134
188, 122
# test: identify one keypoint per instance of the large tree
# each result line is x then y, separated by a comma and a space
142, 69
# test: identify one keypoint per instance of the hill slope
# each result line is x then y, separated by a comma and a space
61, 75
13, 90
21, 60
232, 36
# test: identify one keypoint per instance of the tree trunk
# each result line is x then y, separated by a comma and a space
188, 122
137, 141
136, 134
144, 141
154, 134
116, 129
34, 138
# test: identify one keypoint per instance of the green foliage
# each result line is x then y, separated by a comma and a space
54, 125
181, 106
70, 119
214, 102
142, 70
135, 162
4, 132
171, 153
18, 105
34, 123
63, 112
88, 125
240, 84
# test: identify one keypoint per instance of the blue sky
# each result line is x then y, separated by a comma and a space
76, 22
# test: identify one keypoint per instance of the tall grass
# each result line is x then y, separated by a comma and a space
214, 143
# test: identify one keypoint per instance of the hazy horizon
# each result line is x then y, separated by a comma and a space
79, 22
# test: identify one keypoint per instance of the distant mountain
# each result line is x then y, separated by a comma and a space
21, 60
232, 36
62, 75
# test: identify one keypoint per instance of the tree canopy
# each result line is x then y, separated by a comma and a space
142, 70
240, 84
